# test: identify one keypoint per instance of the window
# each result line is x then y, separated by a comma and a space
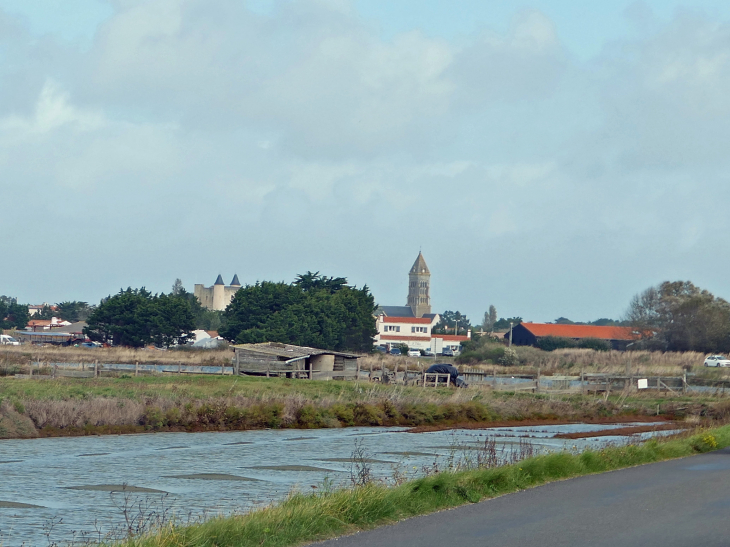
391, 328
419, 329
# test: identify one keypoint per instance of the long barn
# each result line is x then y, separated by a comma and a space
289, 361
528, 334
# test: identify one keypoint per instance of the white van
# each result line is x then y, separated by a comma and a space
6, 340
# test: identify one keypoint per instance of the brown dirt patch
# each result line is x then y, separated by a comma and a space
517, 423
622, 431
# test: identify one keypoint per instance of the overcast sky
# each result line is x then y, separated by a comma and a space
550, 157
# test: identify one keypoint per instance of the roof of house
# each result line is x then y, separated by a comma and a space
580, 331
412, 320
419, 266
395, 311
73, 328
451, 337
275, 349
396, 338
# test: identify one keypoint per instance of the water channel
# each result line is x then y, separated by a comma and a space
67, 481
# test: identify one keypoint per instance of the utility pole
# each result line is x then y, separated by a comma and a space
510, 334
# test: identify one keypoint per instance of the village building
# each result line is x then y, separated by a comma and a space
413, 323
219, 295
529, 334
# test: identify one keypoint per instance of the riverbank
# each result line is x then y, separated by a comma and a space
306, 518
94, 406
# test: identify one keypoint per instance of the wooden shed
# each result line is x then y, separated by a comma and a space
289, 361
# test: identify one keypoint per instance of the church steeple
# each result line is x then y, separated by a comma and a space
419, 288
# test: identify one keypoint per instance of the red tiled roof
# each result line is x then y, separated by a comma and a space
451, 337
412, 320
395, 337
582, 331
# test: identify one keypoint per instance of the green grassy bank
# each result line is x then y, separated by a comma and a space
92, 406
305, 518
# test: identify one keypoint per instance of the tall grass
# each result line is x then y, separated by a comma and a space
305, 518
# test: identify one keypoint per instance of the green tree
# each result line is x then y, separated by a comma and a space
74, 311
678, 316
136, 317
12, 314
313, 311
503, 323
449, 320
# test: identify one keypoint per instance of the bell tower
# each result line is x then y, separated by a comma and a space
419, 288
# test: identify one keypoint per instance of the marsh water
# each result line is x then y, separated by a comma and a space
62, 489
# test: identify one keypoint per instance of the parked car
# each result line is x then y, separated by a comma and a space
381, 349
395, 351
7, 340
447, 352
717, 361
427, 353
414, 353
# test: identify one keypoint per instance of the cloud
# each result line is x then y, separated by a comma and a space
194, 137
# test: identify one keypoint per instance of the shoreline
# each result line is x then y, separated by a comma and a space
663, 423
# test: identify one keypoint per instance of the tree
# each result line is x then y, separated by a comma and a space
503, 323
449, 320
74, 311
136, 317
678, 316
318, 311
490, 318
12, 314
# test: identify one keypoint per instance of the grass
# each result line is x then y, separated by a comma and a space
83, 406
306, 518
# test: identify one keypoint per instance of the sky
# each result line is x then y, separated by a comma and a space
550, 157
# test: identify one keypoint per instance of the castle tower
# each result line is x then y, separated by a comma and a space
419, 287
219, 294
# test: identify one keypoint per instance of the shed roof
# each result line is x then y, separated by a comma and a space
289, 351
580, 331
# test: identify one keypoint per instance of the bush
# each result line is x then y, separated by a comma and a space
595, 344
551, 343
509, 358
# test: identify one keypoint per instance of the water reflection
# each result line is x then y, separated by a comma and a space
73, 480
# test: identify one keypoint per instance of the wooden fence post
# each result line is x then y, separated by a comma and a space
136, 368
96, 368
238, 363
370, 376
357, 369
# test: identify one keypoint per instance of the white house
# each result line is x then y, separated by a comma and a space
415, 332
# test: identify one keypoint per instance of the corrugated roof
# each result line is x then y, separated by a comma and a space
412, 320
288, 350
581, 331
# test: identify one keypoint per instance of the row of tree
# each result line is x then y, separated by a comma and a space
12, 314
317, 311
314, 310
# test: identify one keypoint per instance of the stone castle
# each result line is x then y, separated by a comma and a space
219, 295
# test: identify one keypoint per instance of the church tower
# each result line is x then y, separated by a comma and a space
419, 286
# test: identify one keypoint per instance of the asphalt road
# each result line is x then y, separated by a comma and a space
682, 502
